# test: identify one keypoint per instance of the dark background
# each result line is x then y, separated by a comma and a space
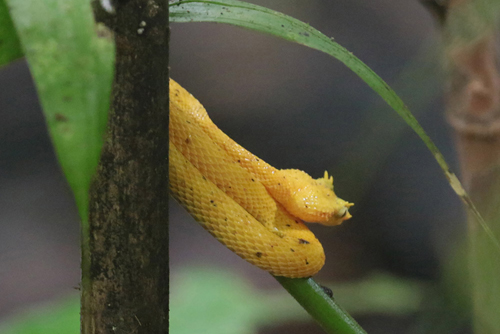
292, 106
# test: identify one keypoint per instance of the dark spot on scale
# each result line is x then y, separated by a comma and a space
306, 206
282, 26
253, 180
225, 219
204, 178
256, 159
307, 262
293, 250
297, 222
211, 201
279, 184
188, 122
239, 160
302, 241
187, 140
258, 254
288, 225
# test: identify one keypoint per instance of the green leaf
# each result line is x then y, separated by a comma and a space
212, 300
10, 48
58, 317
267, 21
72, 68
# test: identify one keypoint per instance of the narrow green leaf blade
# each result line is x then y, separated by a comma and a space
10, 48
72, 68
267, 21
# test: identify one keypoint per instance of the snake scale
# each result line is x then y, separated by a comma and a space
254, 209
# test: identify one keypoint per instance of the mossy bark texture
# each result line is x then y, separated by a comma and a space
125, 252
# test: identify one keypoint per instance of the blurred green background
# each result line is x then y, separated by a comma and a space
396, 264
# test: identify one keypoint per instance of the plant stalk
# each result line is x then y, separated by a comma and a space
323, 308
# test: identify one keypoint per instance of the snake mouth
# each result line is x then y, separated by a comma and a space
343, 214
339, 216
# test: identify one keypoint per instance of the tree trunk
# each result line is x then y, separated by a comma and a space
125, 248
473, 109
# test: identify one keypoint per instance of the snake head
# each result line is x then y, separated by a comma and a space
313, 200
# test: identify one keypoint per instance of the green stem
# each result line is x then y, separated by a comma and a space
320, 306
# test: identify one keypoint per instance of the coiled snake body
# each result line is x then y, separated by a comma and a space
251, 207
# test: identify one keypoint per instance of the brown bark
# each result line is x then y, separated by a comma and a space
125, 268
473, 109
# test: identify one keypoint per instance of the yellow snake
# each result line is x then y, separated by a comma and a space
251, 207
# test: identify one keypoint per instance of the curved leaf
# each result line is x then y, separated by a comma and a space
271, 22
72, 68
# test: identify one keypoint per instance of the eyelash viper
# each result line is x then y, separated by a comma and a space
251, 207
